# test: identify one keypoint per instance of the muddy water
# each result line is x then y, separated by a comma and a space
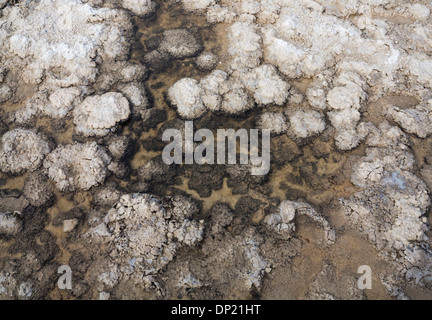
288, 181
171, 16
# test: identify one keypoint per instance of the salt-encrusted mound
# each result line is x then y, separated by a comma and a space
57, 48
61, 101
180, 43
389, 210
38, 189
77, 166
282, 221
10, 223
99, 115
22, 150
206, 61
305, 124
417, 120
214, 86
144, 234
266, 85
275, 122
245, 45
197, 4
140, 7
186, 95
64, 56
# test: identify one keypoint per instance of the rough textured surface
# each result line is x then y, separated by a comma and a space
283, 220
144, 234
98, 115
206, 61
417, 121
306, 124
266, 85
180, 43
22, 150
87, 89
275, 122
140, 7
186, 96
389, 210
9, 224
77, 166
37, 189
